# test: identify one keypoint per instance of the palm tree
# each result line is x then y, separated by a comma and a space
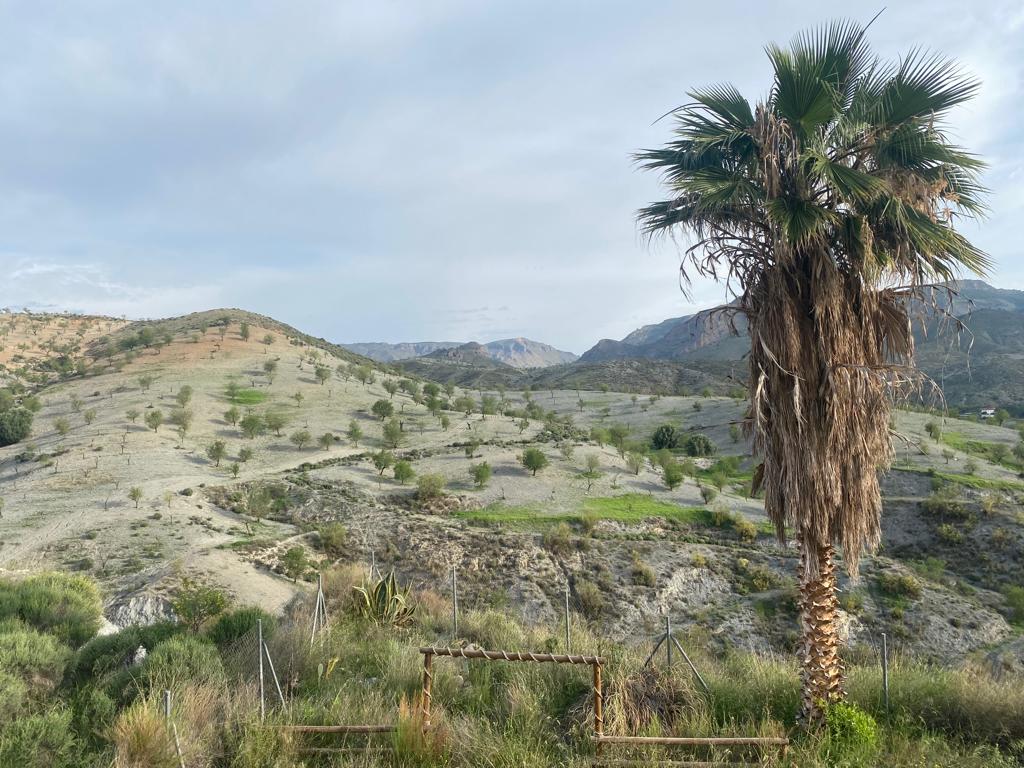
828, 209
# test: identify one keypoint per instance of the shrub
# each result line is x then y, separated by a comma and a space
333, 538
699, 445
898, 585
1015, 602
182, 660
232, 626
36, 658
195, 603
665, 436
591, 601
851, 726
481, 474
708, 493
141, 739
15, 425
558, 539
430, 487
641, 573
744, 528
672, 475
44, 740
403, 471
110, 653
63, 605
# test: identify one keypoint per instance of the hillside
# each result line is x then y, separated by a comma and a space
703, 548
517, 352
976, 353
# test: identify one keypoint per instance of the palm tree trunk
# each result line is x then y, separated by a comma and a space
821, 670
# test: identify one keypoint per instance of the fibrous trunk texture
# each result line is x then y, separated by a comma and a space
821, 668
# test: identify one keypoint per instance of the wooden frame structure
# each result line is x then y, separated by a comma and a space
599, 738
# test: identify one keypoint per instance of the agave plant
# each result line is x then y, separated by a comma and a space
383, 601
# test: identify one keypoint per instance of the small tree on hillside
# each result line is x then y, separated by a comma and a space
322, 373
672, 475
276, 421
216, 452
294, 563
232, 415
404, 472
184, 396
381, 461
252, 425
390, 386
154, 419
301, 438
534, 460
270, 370
135, 494
382, 409
393, 435
132, 414
592, 470
354, 433
195, 604
326, 440
481, 474
635, 461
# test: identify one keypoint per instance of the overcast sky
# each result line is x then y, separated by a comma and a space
424, 170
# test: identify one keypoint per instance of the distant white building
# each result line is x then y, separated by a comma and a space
988, 413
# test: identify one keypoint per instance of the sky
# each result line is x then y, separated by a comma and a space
402, 171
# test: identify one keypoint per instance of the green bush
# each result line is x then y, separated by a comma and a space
231, 627
558, 539
44, 740
852, 727
60, 604
665, 436
14, 699
333, 538
108, 654
36, 658
699, 445
182, 660
898, 585
430, 487
15, 425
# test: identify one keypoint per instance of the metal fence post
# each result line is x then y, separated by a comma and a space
885, 671
568, 636
668, 638
259, 655
455, 603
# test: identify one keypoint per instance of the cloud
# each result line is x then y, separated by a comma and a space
361, 169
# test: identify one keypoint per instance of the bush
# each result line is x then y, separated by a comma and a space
665, 436
558, 539
66, 606
141, 739
1015, 602
107, 654
45, 740
898, 585
232, 626
641, 573
333, 538
195, 603
36, 658
15, 425
591, 601
699, 445
534, 460
430, 487
180, 661
852, 727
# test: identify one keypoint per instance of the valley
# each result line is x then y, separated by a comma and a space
103, 487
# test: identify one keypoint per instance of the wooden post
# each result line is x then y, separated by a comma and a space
428, 678
885, 671
167, 705
259, 654
598, 703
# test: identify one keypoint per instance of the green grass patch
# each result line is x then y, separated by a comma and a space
997, 453
968, 481
627, 508
249, 397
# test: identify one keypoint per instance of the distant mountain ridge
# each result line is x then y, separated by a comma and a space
517, 352
982, 365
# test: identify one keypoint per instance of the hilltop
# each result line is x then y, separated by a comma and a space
517, 352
